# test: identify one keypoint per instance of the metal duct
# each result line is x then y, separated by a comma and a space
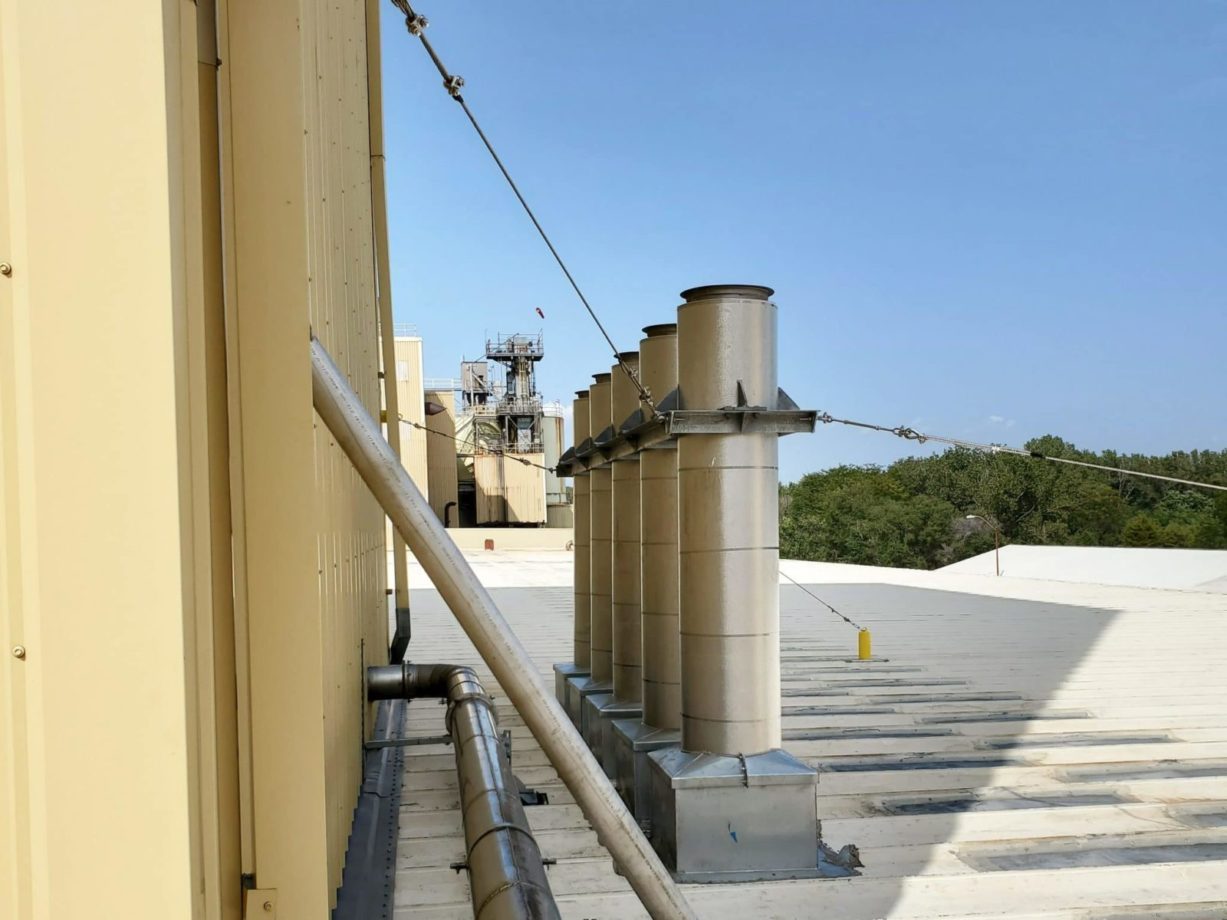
728, 539
506, 874
581, 541
627, 672
600, 544
358, 435
661, 658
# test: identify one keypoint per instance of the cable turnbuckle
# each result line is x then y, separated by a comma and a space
453, 84
416, 24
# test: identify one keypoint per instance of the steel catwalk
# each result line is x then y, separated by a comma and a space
729, 526
600, 544
661, 655
627, 654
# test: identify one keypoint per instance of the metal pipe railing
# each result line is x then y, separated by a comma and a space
507, 879
359, 436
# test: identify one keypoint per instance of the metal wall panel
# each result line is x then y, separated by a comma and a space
509, 492
411, 397
313, 563
441, 457
107, 710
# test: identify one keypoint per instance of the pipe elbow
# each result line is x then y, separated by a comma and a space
409, 681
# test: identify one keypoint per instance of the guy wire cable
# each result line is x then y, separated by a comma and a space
452, 437
911, 434
846, 619
416, 24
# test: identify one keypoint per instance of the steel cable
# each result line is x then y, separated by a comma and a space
822, 602
911, 434
416, 24
452, 437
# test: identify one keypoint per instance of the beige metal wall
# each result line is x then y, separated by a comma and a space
412, 399
313, 573
509, 492
441, 456
117, 769
553, 437
179, 714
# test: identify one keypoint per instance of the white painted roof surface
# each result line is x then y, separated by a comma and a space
1081, 729
1180, 569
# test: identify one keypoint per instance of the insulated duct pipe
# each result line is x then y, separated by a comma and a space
728, 502
507, 877
581, 542
356, 433
600, 544
627, 672
662, 664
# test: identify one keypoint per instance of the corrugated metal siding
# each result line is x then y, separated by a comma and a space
552, 438
441, 455
341, 298
509, 492
412, 406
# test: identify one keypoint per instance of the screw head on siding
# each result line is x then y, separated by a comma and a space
6, 269
19, 651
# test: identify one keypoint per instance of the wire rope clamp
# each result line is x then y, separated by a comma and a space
453, 85
416, 25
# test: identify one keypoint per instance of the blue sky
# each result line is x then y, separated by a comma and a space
986, 220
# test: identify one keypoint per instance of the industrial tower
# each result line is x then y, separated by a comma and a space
513, 405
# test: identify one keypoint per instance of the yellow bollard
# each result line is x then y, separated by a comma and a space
864, 645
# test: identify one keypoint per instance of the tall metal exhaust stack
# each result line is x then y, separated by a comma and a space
730, 804
661, 656
662, 663
568, 676
600, 514
627, 670
623, 701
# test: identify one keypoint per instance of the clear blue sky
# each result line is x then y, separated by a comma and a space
986, 220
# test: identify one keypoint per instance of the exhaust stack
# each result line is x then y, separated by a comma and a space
600, 511
729, 804
702, 769
662, 662
728, 488
621, 701
581, 543
661, 657
579, 667
627, 670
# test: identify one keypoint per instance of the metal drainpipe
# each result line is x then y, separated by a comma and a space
583, 610
627, 670
358, 435
729, 534
600, 515
662, 664
506, 873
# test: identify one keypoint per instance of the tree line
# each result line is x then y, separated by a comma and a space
914, 513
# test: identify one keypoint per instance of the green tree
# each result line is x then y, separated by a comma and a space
913, 513
1141, 530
